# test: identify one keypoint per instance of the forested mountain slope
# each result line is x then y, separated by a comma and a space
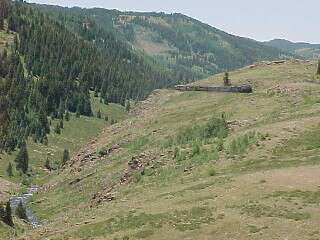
306, 50
188, 47
49, 69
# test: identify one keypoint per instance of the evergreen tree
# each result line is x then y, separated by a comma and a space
1, 22
128, 106
47, 164
61, 110
67, 116
57, 129
10, 170
99, 114
45, 140
8, 215
2, 212
4, 116
318, 71
21, 211
61, 125
4, 9
65, 157
22, 159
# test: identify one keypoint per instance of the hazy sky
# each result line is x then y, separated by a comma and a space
295, 20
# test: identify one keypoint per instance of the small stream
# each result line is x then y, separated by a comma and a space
24, 198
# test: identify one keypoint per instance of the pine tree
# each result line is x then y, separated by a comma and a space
4, 115
22, 159
1, 21
99, 114
61, 110
57, 129
10, 170
21, 211
47, 164
8, 215
128, 106
318, 71
65, 157
2, 212
61, 125
67, 116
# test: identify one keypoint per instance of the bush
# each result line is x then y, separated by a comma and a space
65, 157
102, 151
240, 144
212, 172
176, 153
219, 144
195, 149
215, 127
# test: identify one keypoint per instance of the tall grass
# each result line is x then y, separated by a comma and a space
240, 144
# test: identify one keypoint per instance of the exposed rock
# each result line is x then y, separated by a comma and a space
282, 90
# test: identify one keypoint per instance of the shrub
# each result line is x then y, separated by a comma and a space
240, 144
219, 144
215, 127
65, 157
176, 153
195, 149
103, 151
212, 172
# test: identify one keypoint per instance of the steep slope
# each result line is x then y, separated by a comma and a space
305, 50
188, 47
169, 172
50, 69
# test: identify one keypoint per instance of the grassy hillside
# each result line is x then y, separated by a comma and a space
173, 171
306, 50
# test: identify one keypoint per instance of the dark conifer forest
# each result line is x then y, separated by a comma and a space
49, 70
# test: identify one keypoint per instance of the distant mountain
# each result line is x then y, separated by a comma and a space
188, 47
306, 50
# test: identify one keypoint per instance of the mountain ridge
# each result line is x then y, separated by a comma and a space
180, 32
302, 49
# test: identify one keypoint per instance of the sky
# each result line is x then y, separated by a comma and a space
295, 20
